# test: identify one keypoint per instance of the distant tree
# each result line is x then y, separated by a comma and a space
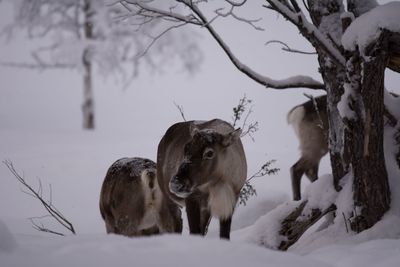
353, 52
95, 34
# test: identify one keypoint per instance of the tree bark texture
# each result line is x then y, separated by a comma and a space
397, 138
371, 186
294, 225
88, 98
333, 77
357, 143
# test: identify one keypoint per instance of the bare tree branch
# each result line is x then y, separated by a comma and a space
35, 66
288, 49
306, 6
293, 82
233, 3
180, 108
53, 212
155, 38
309, 31
41, 228
198, 18
251, 22
146, 10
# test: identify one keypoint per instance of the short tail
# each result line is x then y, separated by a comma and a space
295, 116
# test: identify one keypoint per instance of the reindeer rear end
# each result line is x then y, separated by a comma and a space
310, 123
131, 202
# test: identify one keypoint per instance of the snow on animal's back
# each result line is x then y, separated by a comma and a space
216, 125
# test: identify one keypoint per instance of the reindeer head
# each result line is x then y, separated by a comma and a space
203, 156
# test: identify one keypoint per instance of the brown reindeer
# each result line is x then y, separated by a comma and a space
131, 202
202, 165
310, 123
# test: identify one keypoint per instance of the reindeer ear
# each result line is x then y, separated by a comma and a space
230, 138
193, 130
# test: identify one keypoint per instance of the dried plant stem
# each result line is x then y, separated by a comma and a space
47, 204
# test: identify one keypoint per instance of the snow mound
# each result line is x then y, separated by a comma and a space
368, 26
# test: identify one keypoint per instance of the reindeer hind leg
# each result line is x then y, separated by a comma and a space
312, 173
296, 172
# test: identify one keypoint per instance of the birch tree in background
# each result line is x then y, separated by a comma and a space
355, 42
89, 35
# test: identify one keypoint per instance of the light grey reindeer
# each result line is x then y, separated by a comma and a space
202, 165
131, 202
310, 123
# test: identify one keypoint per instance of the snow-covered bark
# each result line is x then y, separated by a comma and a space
326, 15
359, 7
371, 188
369, 42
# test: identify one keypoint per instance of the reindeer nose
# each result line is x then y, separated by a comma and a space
176, 185
180, 187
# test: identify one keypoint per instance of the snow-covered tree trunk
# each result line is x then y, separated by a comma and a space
323, 13
88, 98
365, 83
355, 143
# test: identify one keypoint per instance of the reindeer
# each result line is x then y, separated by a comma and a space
131, 202
202, 165
310, 123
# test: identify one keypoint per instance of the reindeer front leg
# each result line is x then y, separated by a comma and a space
193, 211
225, 227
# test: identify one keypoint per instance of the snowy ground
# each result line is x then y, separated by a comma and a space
40, 133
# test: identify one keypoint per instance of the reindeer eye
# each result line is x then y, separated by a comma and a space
208, 153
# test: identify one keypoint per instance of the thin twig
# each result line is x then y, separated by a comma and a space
180, 108
345, 222
198, 18
248, 189
264, 170
289, 49
155, 38
238, 112
321, 122
309, 31
42, 228
53, 212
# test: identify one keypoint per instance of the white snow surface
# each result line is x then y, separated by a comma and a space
343, 105
368, 26
167, 250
